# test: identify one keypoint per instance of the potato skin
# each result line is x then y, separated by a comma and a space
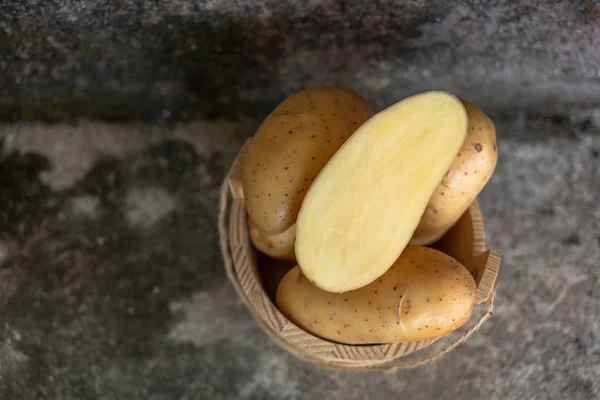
467, 176
291, 147
280, 246
425, 294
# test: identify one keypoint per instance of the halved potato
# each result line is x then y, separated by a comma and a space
364, 206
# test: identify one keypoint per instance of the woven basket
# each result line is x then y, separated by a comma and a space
245, 266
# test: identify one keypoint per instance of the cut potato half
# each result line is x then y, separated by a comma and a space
363, 207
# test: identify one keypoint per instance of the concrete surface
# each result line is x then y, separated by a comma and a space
112, 286
188, 59
111, 283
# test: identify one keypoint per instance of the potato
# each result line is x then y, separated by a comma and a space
425, 294
363, 207
468, 174
291, 147
280, 246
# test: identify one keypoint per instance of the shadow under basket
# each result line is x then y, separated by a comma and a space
246, 269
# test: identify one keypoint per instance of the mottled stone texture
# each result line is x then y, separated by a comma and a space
173, 59
111, 281
112, 285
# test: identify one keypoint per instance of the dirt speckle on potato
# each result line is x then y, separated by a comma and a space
407, 307
478, 147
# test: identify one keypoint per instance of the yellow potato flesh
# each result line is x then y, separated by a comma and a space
425, 294
280, 246
364, 206
469, 173
291, 147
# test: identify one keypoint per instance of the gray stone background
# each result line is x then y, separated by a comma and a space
120, 119
182, 59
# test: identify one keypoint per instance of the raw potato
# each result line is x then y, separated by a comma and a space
280, 246
291, 147
362, 209
425, 294
469, 173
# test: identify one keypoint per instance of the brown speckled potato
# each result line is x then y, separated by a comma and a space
280, 246
469, 173
291, 147
425, 294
